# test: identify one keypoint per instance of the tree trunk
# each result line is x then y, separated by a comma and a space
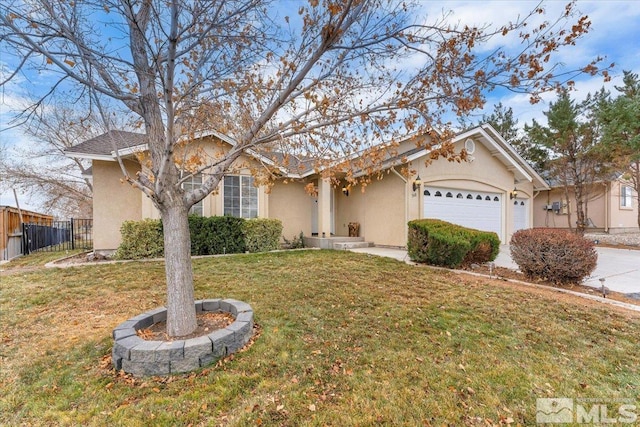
635, 179
181, 312
566, 198
581, 220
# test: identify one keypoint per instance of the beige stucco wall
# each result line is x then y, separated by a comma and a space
380, 210
484, 173
623, 219
552, 219
603, 209
113, 203
290, 203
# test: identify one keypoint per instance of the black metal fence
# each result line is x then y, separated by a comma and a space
60, 235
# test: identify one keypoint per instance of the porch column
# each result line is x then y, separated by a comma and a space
324, 208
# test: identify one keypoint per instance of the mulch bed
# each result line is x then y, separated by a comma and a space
207, 323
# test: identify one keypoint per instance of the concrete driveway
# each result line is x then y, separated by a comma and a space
619, 267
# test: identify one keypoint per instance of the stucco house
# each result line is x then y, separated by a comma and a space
611, 207
493, 191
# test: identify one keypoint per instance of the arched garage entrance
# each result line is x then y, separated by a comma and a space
472, 209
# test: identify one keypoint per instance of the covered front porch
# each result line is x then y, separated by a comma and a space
346, 217
324, 210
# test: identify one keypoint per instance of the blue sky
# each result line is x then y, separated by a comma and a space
615, 35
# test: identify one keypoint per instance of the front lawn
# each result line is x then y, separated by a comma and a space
38, 259
346, 339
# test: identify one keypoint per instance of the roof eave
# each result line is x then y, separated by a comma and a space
519, 164
124, 152
90, 156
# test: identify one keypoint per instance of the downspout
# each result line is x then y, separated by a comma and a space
406, 200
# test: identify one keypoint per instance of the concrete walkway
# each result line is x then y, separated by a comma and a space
619, 267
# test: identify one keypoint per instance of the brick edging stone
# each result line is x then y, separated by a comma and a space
144, 358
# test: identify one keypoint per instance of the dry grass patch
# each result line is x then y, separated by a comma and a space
346, 339
37, 259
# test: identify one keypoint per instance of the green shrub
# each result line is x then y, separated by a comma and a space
262, 234
485, 247
297, 242
209, 236
558, 256
141, 239
216, 235
441, 243
417, 242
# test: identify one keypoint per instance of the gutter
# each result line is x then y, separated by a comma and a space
104, 157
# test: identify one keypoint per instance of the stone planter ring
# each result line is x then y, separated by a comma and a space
143, 358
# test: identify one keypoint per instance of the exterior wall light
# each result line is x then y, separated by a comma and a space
417, 183
513, 194
345, 191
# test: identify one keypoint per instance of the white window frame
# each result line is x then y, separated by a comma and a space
194, 182
244, 211
626, 196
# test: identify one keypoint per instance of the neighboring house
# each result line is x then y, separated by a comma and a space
478, 193
611, 207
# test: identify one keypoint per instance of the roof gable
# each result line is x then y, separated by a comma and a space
104, 147
499, 148
504, 152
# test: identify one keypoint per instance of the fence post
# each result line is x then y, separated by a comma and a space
73, 237
25, 239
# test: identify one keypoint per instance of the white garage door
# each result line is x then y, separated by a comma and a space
472, 209
520, 214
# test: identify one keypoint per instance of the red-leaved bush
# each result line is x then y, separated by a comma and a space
558, 256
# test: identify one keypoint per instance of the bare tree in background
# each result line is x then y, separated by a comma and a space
59, 185
328, 80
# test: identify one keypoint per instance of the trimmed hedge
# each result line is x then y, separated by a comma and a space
209, 236
141, 239
437, 242
216, 235
262, 234
558, 256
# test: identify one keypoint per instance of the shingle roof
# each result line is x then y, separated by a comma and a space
557, 182
104, 144
292, 163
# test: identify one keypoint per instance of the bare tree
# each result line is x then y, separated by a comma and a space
328, 80
61, 186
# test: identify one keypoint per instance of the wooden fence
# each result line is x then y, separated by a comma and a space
11, 229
